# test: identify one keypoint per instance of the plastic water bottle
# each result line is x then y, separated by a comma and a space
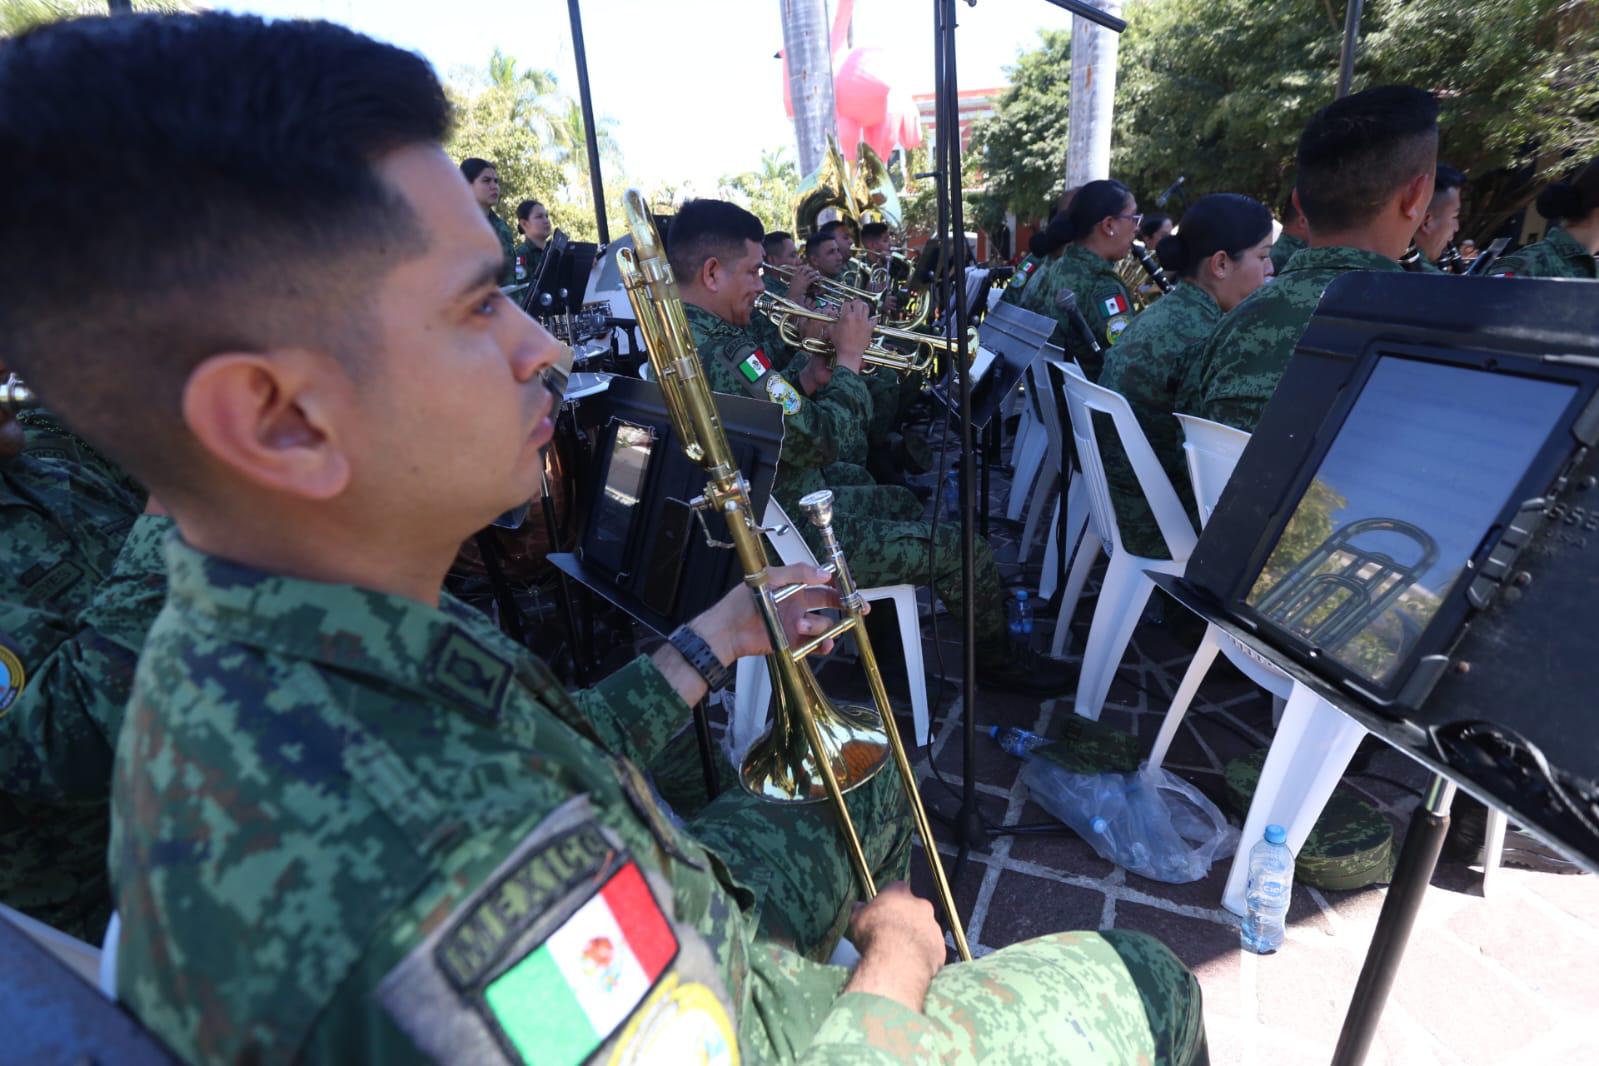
1271, 880
1019, 614
952, 495
1019, 742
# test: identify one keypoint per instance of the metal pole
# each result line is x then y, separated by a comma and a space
1417, 860
593, 141
1346, 62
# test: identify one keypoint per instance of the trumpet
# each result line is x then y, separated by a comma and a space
924, 352
15, 396
833, 291
815, 749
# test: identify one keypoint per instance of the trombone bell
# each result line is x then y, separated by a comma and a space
781, 767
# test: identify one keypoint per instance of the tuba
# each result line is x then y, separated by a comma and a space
815, 750
828, 186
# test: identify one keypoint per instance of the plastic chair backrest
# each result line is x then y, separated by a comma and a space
784, 537
1083, 398
1050, 411
1212, 451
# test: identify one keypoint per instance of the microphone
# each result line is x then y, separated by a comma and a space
1171, 190
1066, 300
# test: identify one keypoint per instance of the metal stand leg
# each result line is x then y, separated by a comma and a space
702, 731
1423, 842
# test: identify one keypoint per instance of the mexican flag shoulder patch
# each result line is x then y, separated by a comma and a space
1115, 305
754, 366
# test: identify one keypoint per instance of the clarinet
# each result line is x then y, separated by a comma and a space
1152, 268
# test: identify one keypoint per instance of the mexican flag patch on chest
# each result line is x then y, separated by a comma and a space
754, 365
562, 1001
1115, 305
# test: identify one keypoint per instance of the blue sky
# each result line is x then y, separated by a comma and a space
636, 48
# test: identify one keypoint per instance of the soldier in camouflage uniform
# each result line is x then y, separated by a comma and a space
1030, 276
351, 821
81, 580
1295, 236
1439, 225
1100, 226
716, 258
779, 250
533, 219
485, 182
1365, 178
1222, 255
1569, 249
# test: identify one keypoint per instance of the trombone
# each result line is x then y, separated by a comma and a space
924, 352
815, 749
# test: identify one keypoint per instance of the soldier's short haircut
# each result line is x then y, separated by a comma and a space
233, 160
709, 228
816, 240
772, 243
1355, 153
832, 228
873, 230
525, 208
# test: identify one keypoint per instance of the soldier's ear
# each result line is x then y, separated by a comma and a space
1219, 265
271, 418
711, 274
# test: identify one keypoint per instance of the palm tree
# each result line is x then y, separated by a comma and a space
810, 77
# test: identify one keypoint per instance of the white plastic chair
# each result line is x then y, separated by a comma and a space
82, 959
1027, 455
108, 957
1212, 450
1126, 586
1046, 491
753, 684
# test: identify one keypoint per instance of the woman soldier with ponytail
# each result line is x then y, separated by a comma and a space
1100, 225
1220, 254
1569, 248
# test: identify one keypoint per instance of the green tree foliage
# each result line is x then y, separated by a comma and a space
1220, 90
767, 192
518, 120
1021, 150
19, 15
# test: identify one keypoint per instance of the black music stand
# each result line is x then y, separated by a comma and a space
1458, 452
640, 547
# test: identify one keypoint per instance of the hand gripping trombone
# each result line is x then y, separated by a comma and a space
815, 750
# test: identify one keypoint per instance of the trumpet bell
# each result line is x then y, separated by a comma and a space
781, 767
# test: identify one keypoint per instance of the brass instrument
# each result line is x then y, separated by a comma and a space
828, 186
814, 749
832, 291
919, 360
15, 396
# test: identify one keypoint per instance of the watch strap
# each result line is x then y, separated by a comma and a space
699, 655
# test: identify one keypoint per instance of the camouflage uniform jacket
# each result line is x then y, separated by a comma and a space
1149, 366
81, 580
1283, 249
507, 236
351, 827
528, 258
1558, 255
1025, 271
1104, 301
1246, 356
818, 430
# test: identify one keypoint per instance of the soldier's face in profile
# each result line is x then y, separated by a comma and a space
1440, 225
788, 255
827, 258
453, 413
739, 281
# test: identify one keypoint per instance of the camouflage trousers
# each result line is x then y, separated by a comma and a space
1080, 997
887, 542
53, 864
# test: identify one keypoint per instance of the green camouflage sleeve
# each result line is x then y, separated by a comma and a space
635, 711
56, 739
1240, 367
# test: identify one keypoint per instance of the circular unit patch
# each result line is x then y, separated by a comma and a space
682, 1022
12, 678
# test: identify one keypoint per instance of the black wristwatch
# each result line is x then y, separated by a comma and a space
692, 647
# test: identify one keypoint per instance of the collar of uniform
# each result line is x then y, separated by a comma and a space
1338, 258
1092, 261
449, 652
1189, 293
1565, 245
707, 323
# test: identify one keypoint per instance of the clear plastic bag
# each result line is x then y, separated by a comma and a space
1151, 822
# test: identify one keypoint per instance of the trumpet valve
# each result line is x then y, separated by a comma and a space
818, 507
